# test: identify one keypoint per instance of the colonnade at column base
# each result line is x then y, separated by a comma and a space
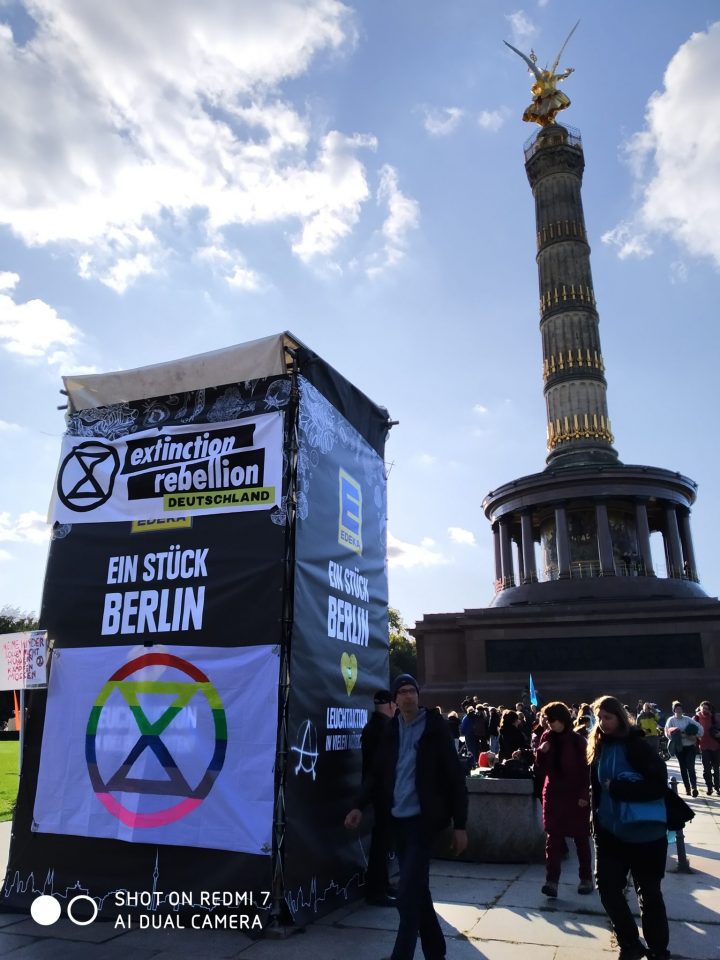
659, 649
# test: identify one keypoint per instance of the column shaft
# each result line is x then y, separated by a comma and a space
528, 549
506, 557
498, 558
521, 563
605, 546
643, 533
672, 545
563, 543
690, 566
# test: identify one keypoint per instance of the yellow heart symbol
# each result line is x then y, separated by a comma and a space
348, 666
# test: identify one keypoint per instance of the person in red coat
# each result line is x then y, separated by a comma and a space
560, 762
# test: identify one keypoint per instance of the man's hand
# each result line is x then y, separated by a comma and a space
353, 819
459, 842
544, 747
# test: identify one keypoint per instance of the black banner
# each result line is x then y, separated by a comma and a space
339, 651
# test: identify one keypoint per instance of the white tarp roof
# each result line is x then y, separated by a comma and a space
245, 361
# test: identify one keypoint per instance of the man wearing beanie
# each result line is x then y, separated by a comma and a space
418, 781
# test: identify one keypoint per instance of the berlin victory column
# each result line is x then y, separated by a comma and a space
579, 600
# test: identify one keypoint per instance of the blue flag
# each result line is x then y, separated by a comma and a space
533, 693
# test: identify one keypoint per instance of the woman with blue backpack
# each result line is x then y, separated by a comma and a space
629, 784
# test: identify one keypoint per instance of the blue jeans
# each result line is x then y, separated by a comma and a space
415, 906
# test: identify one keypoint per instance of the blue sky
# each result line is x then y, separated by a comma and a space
178, 177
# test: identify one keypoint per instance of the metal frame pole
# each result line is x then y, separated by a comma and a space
683, 863
280, 925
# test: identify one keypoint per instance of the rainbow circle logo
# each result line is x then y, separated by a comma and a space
174, 783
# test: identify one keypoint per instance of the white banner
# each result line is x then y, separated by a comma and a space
23, 660
167, 745
186, 471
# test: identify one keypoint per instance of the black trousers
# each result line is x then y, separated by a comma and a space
417, 915
614, 859
686, 759
711, 768
376, 877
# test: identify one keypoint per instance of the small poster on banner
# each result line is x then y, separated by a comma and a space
23, 660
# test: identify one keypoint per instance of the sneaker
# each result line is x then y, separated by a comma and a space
549, 889
695, 793
636, 952
586, 886
381, 900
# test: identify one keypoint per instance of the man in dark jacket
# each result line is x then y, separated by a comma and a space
377, 882
417, 779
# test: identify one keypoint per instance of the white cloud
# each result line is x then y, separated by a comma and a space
675, 157
480, 409
441, 121
402, 216
492, 120
127, 120
629, 242
5, 556
678, 272
8, 281
459, 535
32, 329
7, 427
523, 29
328, 198
30, 527
426, 459
407, 555
231, 266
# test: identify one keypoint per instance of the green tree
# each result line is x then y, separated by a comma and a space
13, 620
403, 655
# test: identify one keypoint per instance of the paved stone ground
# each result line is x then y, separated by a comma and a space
488, 912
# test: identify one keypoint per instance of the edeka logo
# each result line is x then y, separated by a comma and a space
87, 476
162, 523
173, 783
350, 527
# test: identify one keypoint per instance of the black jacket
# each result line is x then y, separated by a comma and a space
370, 738
510, 739
439, 778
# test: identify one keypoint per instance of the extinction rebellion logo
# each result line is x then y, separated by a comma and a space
87, 476
224, 467
176, 776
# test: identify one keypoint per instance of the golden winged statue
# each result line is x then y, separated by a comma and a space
547, 99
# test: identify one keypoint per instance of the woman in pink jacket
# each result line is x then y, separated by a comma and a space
709, 720
560, 761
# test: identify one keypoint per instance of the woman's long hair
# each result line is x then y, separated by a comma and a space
558, 711
508, 719
609, 705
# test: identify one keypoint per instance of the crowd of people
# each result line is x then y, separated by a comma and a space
599, 770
